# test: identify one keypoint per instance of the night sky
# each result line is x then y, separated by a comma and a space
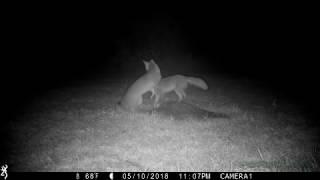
53, 49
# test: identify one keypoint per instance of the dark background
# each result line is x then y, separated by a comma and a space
47, 49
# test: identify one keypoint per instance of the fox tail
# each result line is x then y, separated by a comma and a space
197, 82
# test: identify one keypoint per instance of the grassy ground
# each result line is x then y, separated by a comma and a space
81, 129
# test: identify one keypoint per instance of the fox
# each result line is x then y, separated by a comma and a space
178, 84
147, 82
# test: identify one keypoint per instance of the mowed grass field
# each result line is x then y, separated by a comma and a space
80, 128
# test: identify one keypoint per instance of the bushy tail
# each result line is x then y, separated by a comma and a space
197, 82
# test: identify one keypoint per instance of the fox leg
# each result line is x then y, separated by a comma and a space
183, 93
180, 90
180, 93
152, 93
156, 101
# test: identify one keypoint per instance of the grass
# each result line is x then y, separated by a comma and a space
81, 129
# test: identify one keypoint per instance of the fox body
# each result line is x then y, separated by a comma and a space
145, 83
178, 84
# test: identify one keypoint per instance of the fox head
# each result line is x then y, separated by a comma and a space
151, 66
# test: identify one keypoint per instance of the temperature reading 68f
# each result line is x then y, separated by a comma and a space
91, 176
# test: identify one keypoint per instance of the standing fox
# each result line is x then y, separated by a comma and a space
145, 83
178, 84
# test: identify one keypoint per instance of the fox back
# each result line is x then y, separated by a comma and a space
145, 83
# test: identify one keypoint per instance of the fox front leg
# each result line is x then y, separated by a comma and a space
156, 101
152, 93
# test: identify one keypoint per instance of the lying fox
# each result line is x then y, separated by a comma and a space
133, 97
176, 83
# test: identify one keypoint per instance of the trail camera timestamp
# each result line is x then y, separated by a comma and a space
191, 176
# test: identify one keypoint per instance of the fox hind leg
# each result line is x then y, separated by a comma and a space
180, 94
180, 90
183, 93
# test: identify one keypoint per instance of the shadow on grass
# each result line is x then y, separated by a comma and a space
183, 110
